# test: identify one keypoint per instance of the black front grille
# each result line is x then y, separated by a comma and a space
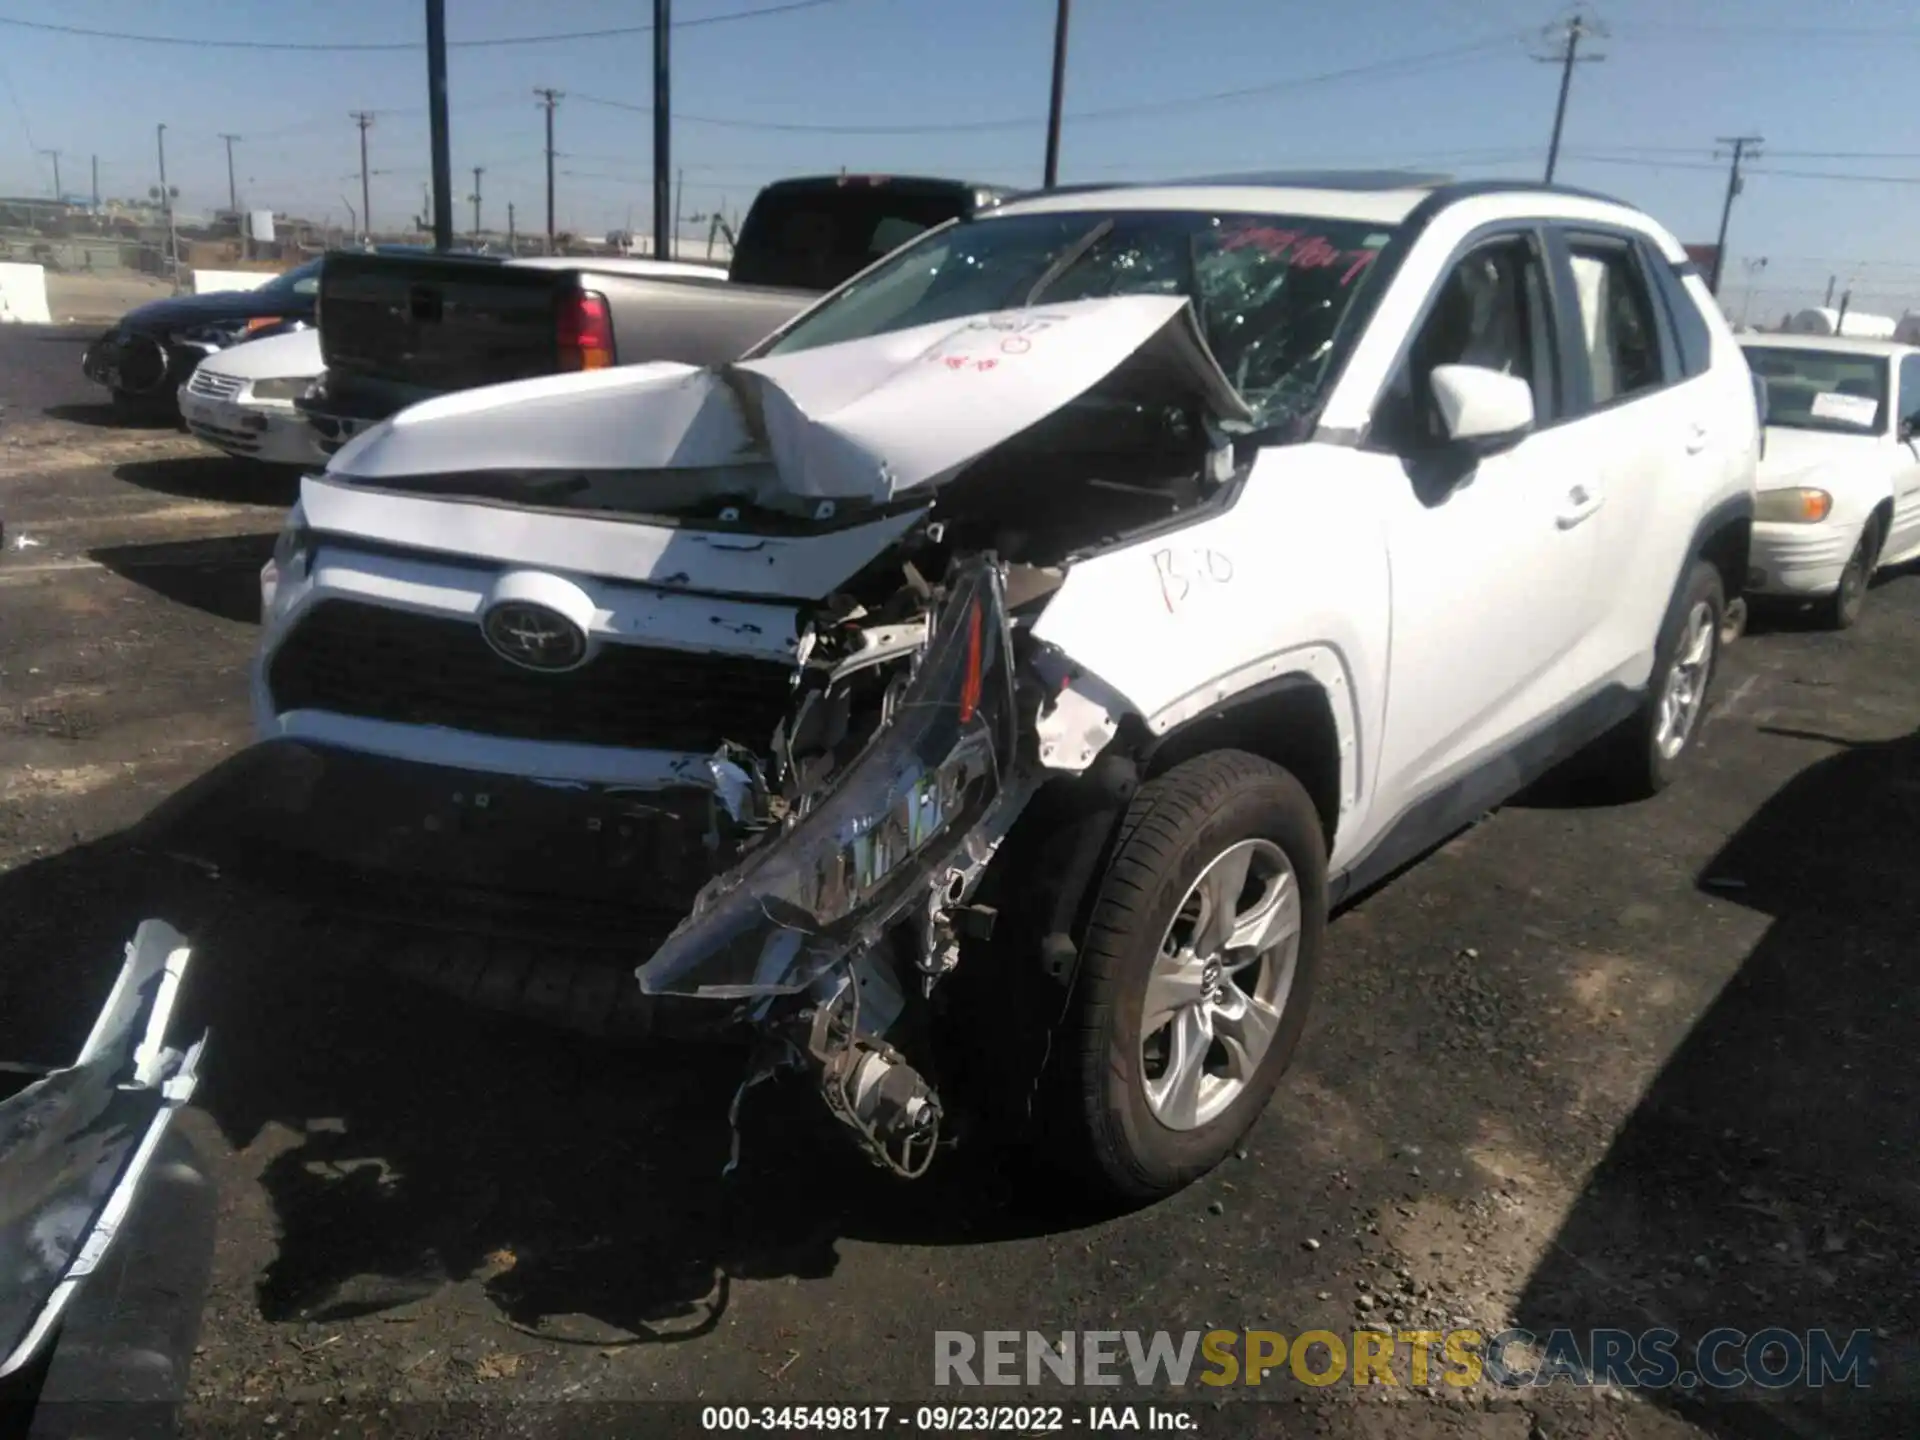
356, 659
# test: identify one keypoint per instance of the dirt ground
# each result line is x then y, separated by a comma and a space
1639, 1066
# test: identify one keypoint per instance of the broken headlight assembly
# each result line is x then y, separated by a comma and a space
291, 553
884, 838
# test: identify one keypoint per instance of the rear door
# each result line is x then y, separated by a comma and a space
1645, 412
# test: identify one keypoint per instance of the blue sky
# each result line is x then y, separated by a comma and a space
960, 87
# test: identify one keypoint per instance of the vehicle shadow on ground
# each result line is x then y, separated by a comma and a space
103, 415
419, 1144
578, 1180
1771, 1174
220, 576
214, 476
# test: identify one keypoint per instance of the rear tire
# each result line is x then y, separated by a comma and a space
1177, 1034
1841, 609
1647, 751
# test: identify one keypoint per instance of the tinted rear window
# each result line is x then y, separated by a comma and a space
815, 239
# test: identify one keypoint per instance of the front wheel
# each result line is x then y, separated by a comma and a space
1840, 610
1195, 977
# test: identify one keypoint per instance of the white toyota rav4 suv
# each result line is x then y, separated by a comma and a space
987, 686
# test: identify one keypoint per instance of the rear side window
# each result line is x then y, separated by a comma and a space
1690, 330
1619, 333
815, 238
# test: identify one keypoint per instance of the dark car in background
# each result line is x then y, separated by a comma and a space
145, 358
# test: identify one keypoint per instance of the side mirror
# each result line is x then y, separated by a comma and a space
1483, 411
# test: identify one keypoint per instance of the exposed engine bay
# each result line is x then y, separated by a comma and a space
909, 749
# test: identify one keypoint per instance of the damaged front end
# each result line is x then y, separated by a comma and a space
859, 894
797, 596
76, 1144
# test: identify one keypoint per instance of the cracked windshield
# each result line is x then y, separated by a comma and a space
1029, 718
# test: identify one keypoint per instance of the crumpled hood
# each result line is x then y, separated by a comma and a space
295, 355
866, 419
1795, 455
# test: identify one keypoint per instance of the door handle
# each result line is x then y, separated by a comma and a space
1696, 439
1581, 505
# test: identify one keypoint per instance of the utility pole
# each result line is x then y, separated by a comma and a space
478, 171
679, 200
96, 182
548, 100
438, 126
1832, 280
1745, 147
55, 156
1754, 267
166, 202
233, 191
1570, 33
364, 119
1052, 177
512, 238
662, 128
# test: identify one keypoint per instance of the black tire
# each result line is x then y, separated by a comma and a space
1637, 764
1841, 609
1099, 1121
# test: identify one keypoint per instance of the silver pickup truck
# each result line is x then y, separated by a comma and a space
400, 329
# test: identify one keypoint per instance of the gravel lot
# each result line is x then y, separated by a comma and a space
1635, 1066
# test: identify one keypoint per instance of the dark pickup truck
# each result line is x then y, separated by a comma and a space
396, 330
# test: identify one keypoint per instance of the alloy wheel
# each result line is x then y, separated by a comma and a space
1219, 984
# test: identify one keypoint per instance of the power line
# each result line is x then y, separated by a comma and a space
403, 45
1825, 32
1186, 102
1598, 158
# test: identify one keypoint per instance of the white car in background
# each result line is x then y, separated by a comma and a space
241, 399
1840, 482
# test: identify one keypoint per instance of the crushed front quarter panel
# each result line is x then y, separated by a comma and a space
75, 1144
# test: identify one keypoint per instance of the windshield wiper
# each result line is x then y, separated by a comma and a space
1069, 257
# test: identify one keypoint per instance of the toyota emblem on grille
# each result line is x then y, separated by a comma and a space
533, 636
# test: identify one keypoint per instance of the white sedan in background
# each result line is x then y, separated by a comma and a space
1840, 482
241, 399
